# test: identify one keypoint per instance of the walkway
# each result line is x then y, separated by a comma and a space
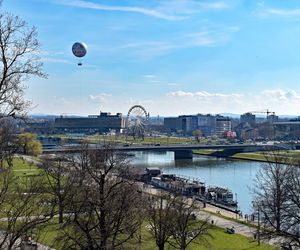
218, 221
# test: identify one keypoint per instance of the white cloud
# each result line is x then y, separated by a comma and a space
188, 7
281, 12
96, 6
171, 10
282, 102
56, 60
214, 6
208, 35
149, 76
201, 94
281, 95
100, 98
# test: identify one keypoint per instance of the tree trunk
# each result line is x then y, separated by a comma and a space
60, 213
161, 246
102, 219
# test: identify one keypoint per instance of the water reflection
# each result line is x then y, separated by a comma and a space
236, 175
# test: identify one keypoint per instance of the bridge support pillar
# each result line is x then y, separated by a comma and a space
183, 154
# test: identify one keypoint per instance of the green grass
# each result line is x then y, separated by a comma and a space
256, 156
219, 240
21, 166
121, 139
206, 151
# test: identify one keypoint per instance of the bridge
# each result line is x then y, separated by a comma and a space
182, 151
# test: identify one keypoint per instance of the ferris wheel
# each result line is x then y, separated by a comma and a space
137, 121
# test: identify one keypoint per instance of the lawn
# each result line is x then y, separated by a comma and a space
219, 240
121, 139
256, 156
22, 167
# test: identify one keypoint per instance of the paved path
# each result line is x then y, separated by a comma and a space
218, 221
224, 223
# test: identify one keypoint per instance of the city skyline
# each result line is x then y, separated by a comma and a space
173, 57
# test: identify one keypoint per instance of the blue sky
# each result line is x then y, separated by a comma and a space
171, 56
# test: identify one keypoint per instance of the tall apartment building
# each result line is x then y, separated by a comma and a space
171, 124
249, 118
207, 124
223, 125
189, 123
272, 118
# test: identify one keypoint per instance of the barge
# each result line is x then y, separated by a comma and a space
217, 196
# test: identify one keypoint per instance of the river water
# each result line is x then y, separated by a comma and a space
236, 175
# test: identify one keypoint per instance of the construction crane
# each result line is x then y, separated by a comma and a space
266, 111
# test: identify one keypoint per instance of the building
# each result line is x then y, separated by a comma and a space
223, 125
39, 126
171, 124
272, 118
287, 130
207, 124
245, 131
248, 118
184, 124
104, 122
189, 123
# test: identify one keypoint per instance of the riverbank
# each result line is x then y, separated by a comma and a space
281, 156
222, 219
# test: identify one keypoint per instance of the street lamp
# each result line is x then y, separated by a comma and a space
26, 216
256, 205
236, 211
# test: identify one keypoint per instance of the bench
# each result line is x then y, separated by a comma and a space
230, 230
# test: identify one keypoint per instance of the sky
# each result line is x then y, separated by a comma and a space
173, 57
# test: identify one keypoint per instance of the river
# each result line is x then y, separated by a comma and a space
236, 175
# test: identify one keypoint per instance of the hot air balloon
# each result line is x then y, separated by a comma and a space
79, 50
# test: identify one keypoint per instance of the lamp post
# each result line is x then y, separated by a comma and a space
236, 211
258, 225
25, 175
256, 205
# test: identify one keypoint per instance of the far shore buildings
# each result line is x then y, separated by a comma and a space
209, 125
248, 127
287, 130
102, 123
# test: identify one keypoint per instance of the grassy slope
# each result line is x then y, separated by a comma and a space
252, 155
219, 240
20, 167
129, 139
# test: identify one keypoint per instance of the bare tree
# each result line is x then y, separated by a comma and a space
274, 200
186, 228
19, 50
105, 203
172, 219
160, 218
293, 210
23, 209
58, 181
8, 142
